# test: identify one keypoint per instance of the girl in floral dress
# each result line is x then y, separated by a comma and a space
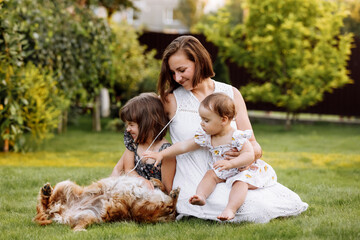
145, 118
216, 133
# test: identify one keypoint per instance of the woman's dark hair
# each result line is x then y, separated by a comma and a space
221, 104
195, 52
148, 112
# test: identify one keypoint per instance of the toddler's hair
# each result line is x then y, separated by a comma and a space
148, 112
221, 104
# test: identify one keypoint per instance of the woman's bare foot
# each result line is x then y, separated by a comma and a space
227, 214
197, 200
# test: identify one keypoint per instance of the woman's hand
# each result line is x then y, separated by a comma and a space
148, 184
232, 153
154, 155
223, 165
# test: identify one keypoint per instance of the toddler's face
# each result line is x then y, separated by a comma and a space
133, 129
211, 123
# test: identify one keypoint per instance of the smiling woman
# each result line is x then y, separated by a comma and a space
184, 82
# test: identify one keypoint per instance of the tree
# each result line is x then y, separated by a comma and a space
133, 69
189, 12
73, 42
293, 50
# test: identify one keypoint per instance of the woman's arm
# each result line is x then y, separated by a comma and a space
168, 169
243, 121
245, 158
170, 106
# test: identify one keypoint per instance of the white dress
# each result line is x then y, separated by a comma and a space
259, 174
260, 206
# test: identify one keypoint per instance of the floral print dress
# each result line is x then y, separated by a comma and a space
259, 174
143, 169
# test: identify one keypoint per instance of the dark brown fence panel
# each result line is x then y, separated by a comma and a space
344, 101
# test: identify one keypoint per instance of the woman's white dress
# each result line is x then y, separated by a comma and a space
260, 206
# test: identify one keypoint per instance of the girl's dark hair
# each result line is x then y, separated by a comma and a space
195, 52
221, 104
148, 112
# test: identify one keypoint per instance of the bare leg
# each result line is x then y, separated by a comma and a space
205, 188
236, 199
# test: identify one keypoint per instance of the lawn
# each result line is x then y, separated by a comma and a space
320, 162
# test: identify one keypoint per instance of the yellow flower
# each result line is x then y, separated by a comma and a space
248, 176
1, 107
216, 152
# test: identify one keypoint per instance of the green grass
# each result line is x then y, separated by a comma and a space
319, 162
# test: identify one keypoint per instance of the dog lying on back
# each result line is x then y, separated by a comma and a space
110, 199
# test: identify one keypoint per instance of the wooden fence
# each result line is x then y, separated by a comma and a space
344, 101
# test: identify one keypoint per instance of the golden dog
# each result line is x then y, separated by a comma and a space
110, 199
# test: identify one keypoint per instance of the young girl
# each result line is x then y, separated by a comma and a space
240, 173
144, 117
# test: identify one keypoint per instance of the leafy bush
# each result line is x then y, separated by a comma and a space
30, 102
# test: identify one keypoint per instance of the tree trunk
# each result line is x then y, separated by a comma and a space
96, 124
6, 143
65, 120
62, 125
288, 121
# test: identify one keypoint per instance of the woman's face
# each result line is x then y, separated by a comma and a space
182, 69
133, 129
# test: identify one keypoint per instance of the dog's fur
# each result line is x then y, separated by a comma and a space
110, 199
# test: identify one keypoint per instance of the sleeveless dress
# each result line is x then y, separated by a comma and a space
145, 170
260, 206
259, 174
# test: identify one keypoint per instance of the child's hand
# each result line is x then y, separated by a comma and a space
154, 155
222, 165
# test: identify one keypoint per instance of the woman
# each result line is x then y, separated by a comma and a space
185, 80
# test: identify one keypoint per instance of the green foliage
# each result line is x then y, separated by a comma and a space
72, 41
352, 22
221, 71
133, 69
69, 40
65, 37
31, 102
293, 49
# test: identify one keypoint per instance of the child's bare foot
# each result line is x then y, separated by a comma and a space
197, 200
227, 214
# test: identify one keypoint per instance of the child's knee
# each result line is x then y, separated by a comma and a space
212, 175
240, 184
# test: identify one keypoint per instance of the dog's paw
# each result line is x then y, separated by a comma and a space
79, 229
175, 192
157, 184
46, 190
